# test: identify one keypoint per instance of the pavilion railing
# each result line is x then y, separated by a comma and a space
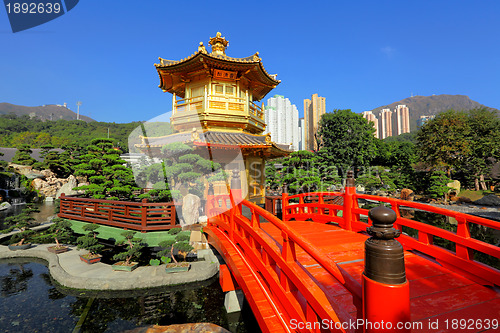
348, 215
141, 216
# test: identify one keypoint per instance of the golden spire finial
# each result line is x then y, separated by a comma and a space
202, 48
218, 44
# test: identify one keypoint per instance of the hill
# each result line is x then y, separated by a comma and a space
45, 112
19, 130
432, 105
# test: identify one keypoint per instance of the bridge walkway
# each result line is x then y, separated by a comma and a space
436, 293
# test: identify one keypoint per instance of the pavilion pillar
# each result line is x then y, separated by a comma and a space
386, 291
209, 205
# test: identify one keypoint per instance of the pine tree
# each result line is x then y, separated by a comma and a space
107, 175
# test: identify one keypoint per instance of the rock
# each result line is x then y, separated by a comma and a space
67, 188
5, 205
34, 174
488, 200
181, 328
21, 169
464, 199
190, 209
38, 184
455, 186
360, 189
407, 194
47, 173
81, 179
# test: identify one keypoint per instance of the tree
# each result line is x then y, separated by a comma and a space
89, 240
179, 243
437, 185
183, 167
484, 144
23, 156
444, 142
303, 171
21, 222
105, 171
346, 140
61, 230
133, 248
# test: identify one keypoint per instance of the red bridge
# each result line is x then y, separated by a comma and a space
309, 272
318, 269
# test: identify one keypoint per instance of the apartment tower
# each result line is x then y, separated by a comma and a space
282, 120
314, 108
402, 121
368, 115
385, 123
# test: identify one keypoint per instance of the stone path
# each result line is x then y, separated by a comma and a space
69, 271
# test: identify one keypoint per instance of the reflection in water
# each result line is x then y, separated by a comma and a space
47, 209
30, 302
16, 281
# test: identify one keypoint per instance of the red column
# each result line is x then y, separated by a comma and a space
350, 190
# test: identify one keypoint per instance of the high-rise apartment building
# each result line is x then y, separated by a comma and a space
282, 119
385, 123
302, 134
314, 108
423, 120
368, 115
402, 120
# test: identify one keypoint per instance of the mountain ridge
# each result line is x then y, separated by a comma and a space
43, 112
433, 105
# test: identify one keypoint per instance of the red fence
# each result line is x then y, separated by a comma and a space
141, 216
313, 206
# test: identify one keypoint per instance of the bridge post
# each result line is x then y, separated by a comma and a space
284, 206
386, 291
236, 186
350, 190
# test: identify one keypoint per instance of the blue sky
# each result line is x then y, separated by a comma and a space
357, 54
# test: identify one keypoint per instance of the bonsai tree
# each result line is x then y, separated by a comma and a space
21, 222
89, 241
179, 243
60, 231
133, 248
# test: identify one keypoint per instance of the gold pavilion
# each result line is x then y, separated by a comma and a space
214, 108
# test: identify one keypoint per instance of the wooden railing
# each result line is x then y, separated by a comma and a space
141, 216
312, 206
222, 102
275, 260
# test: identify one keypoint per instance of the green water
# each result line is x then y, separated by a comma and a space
31, 302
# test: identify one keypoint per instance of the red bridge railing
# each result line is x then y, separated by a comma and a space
312, 206
141, 216
275, 260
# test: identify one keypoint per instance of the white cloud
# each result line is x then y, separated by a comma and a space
388, 51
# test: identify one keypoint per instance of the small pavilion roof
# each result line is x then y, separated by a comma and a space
175, 73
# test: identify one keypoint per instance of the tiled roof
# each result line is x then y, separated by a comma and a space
214, 138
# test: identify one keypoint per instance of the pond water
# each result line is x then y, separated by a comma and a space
31, 302
47, 209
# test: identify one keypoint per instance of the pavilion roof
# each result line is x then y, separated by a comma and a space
218, 139
175, 73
